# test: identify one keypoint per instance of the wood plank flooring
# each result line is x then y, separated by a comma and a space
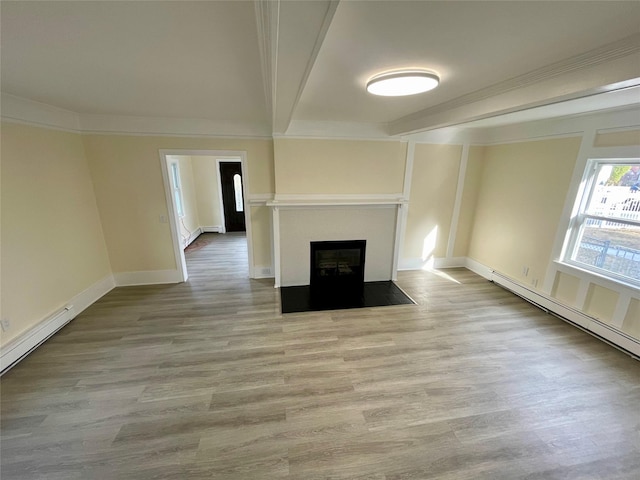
207, 380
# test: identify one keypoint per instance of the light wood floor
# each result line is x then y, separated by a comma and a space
207, 380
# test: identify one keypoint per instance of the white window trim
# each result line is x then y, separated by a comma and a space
176, 184
582, 199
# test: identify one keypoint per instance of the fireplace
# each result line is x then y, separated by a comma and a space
337, 266
335, 276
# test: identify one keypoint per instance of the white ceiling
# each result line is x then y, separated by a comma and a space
169, 59
283, 67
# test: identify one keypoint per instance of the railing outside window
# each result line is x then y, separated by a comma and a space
605, 235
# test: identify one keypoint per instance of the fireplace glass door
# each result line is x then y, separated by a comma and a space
337, 265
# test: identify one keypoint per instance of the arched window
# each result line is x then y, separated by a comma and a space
237, 190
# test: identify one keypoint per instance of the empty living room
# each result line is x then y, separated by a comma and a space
305, 240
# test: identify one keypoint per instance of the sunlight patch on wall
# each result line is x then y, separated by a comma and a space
429, 245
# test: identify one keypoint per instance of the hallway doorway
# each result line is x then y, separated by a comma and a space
206, 167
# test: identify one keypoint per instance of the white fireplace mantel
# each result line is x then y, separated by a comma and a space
335, 200
281, 203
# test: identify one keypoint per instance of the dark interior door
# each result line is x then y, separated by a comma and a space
232, 199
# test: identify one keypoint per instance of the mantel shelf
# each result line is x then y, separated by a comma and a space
335, 202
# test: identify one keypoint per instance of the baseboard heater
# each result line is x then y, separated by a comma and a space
26, 343
549, 305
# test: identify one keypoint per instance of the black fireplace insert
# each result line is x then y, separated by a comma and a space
337, 281
337, 265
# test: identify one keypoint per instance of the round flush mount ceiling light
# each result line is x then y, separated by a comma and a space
402, 82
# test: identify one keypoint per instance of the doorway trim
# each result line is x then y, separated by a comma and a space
234, 155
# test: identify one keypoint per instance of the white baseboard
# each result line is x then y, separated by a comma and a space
262, 271
453, 262
591, 325
18, 348
410, 264
149, 277
419, 264
195, 234
479, 268
91, 295
200, 230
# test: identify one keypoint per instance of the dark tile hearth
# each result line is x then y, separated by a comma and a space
373, 294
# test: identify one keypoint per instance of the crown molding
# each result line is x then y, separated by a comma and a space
627, 128
29, 112
548, 120
22, 110
336, 130
574, 125
513, 127
622, 48
129, 125
616, 65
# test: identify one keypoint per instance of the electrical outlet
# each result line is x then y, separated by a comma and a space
525, 270
163, 219
5, 324
535, 282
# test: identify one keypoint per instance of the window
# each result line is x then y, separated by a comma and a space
237, 191
604, 236
177, 189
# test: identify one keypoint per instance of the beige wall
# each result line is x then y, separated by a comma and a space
433, 191
57, 241
262, 235
618, 139
205, 179
601, 302
131, 197
470, 191
521, 197
512, 204
52, 241
190, 222
339, 166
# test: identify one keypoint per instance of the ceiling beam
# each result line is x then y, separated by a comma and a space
267, 26
608, 68
302, 28
290, 36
